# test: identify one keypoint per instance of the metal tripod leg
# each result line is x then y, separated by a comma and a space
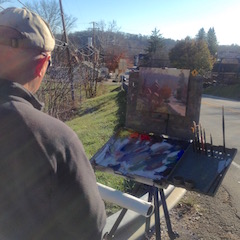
110, 235
116, 224
157, 214
150, 196
171, 234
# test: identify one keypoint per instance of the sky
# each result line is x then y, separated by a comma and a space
175, 19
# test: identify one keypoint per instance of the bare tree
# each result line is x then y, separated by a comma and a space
59, 73
50, 11
1, 2
107, 32
54, 94
113, 44
113, 27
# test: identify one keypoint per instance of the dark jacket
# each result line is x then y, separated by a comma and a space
48, 189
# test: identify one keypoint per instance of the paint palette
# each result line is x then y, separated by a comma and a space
147, 158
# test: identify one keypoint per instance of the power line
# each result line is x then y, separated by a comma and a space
22, 3
61, 43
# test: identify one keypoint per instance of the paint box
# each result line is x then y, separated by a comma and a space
157, 146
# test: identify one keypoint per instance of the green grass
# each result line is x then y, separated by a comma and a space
97, 120
226, 91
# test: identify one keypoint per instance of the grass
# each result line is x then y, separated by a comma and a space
226, 91
97, 120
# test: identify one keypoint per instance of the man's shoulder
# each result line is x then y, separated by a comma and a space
45, 124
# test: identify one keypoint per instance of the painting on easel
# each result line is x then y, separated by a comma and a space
163, 101
163, 90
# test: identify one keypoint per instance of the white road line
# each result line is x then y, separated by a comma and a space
236, 165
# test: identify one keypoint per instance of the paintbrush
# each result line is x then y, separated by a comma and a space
223, 129
205, 142
198, 138
211, 143
193, 143
194, 137
201, 137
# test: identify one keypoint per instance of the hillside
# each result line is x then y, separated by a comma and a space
96, 121
225, 91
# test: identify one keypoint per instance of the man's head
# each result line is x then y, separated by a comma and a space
26, 42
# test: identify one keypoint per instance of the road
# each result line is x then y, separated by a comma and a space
211, 120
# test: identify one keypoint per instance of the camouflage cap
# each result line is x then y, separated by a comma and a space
34, 32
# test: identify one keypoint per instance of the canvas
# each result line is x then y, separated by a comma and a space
163, 90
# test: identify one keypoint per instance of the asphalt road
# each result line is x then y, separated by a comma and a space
211, 120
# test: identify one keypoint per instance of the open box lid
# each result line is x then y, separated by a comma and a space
164, 101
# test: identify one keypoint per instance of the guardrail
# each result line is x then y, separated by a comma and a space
132, 225
126, 200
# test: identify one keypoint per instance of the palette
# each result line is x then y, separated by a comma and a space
147, 158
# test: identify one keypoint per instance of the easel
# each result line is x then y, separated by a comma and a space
193, 171
153, 194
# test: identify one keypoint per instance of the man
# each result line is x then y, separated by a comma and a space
48, 189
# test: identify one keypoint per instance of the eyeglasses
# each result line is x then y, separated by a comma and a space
49, 61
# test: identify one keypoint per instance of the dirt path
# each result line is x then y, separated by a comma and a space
199, 217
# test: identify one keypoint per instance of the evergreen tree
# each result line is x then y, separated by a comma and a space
212, 42
155, 43
201, 35
155, 49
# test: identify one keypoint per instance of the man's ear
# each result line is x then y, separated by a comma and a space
40, 66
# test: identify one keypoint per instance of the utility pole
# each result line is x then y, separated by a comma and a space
94, 59
70, 70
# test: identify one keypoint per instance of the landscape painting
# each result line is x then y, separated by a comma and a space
163, 90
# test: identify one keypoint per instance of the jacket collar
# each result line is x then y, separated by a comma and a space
12, 90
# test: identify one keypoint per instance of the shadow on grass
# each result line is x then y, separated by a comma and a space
90, 110
95, 108
117, 89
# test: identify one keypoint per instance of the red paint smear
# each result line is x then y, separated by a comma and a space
134, 135
144, 137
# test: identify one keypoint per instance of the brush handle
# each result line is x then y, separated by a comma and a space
223, 129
